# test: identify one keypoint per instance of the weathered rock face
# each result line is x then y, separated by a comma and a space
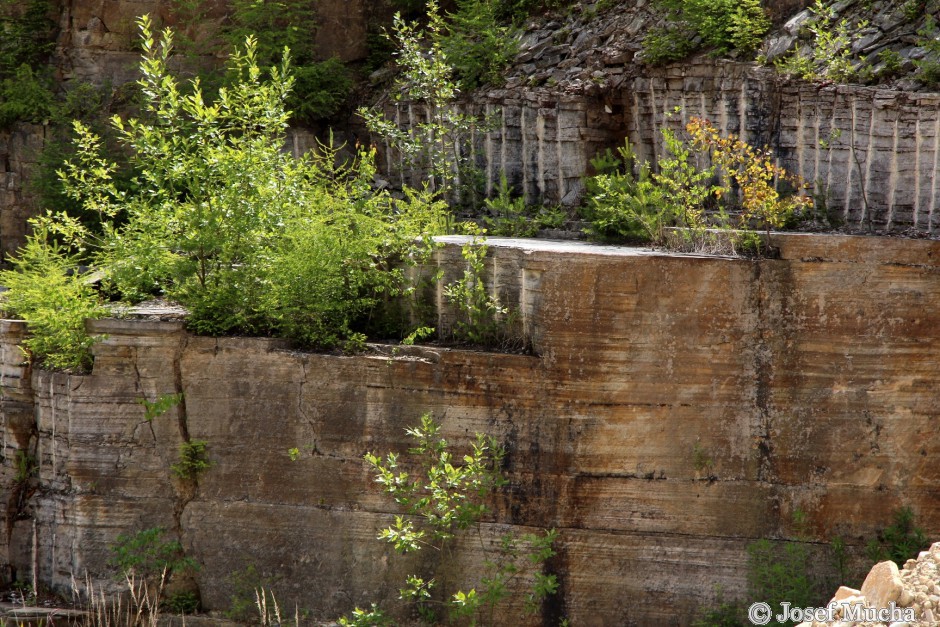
679, 407
869, 155
97, 41
20, 150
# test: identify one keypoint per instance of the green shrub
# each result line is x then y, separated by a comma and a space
928, 69
627, 203
320, 90
437, 144
480, 318
25, 465
507, 216
336, 267
193, 459
630, 201
163, 404
221, 219
668, 43
724, 25
781, 572
891, 60
29, 34
182, 602
25, 97
45, 288
477, 45
636, 203
743, 30
830, 54
148, 554
444, 495
899, 542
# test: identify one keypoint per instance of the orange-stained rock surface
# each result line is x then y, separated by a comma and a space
677, 408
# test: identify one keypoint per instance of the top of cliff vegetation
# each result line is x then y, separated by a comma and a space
593, 46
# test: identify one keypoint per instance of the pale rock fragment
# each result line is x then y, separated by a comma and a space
845, 592
883, 584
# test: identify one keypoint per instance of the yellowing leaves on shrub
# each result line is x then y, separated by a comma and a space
755, 173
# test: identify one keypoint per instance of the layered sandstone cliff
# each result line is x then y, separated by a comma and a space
677, 408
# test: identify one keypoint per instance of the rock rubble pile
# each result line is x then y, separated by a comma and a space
597, 45
915, 587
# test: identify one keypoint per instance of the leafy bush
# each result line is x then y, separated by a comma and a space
928, 68
183, 602
724, 25
627, 200
830, 54
636, 203
225, 222
899, 542
507, 215
25, 97
510, 217
444, 495
627, 203
891, 61
781, 572
477, 45
148, 554
480, 317
25, 466
320, 90
668, 43
46, 289
335, 266
193, 459
437, 144
163, 404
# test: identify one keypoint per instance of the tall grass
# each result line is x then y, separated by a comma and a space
137, 606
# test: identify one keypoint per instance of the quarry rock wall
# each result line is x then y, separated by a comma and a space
870, 157
676, 408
